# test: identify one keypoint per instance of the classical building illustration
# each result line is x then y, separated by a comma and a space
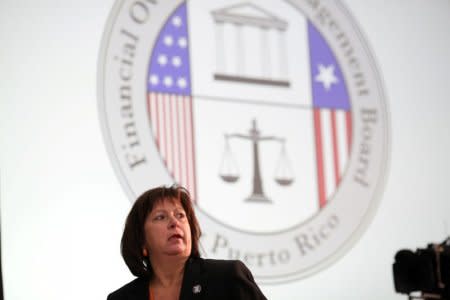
250, 46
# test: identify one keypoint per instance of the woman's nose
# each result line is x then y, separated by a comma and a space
172, 222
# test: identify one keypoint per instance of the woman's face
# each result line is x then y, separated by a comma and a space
167, 230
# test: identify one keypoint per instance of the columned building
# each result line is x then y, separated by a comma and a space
250, 46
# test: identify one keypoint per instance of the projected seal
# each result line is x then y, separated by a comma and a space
271, 113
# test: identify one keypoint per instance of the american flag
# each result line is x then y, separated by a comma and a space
332, 116
170, 100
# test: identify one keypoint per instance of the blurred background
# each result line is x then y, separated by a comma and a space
62, 207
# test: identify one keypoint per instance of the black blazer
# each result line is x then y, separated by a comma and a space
205, 279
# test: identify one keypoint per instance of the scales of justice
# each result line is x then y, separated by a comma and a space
229, 171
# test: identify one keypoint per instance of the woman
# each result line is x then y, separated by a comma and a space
160, 247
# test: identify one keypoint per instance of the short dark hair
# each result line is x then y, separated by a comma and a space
133, 238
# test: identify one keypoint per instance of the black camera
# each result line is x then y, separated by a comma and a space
425, 271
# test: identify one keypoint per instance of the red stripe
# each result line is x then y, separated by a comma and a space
335, 147
172, 141
189, 151
165, 128
185, 146
348, 119
180, 172
170, 136
155, 122
163, 135
319, 158
155, 99
182, 138
174, 126
188, 146
186, 142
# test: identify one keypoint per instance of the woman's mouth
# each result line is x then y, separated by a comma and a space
175, 236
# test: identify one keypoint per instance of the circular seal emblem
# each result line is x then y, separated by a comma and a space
271, 113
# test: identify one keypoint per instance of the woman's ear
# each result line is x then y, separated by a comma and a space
144, 252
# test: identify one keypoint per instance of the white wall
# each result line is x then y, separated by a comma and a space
62, 208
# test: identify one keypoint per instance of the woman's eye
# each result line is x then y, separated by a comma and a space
181, 215
159, 218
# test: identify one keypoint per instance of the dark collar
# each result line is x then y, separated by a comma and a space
140, 292
191, 287
192, 280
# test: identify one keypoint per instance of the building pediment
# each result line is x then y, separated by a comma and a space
248, 14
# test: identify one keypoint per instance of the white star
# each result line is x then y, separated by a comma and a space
162, 59
168, 40
168, 81
326, 76
181, 82
182, 42
176, 61
154, 80
176, 21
